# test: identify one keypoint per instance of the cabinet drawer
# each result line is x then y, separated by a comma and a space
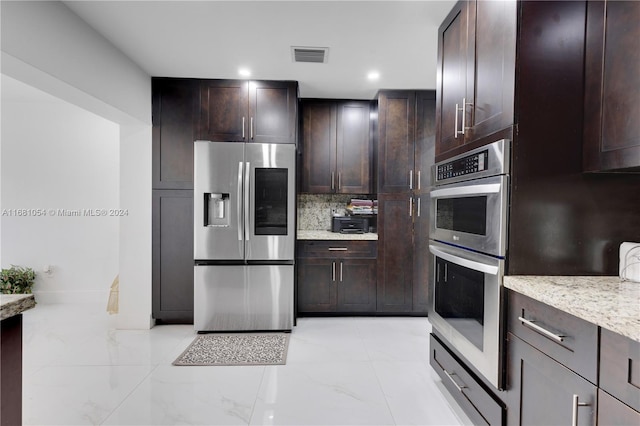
337, 249
620, 367
477, 403
569, 340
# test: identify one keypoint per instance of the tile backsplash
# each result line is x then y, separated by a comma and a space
314, 210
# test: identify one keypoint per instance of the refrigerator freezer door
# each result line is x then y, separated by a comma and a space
270, 208
243, 297
218, 198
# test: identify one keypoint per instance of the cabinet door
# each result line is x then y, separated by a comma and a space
317, 285
491, 106
424, 151
543, 390
395, 253
356, 285
224, 115
612, 412
612, 86
273, 109
452, 79
175, 122
172, 256
353, 149
318, 146
396, 118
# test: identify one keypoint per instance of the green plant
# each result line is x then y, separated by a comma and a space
17, 280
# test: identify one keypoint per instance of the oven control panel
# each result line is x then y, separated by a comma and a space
467, 165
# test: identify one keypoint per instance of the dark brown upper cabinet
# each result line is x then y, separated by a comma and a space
476, 73
175, 127
396, 141
248, 111
336, 147
612, 87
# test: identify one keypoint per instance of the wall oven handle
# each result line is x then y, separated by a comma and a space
488, 188
466, 263
536, 327
239, 202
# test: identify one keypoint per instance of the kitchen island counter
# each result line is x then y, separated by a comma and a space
14, 304
328, 235
601, 300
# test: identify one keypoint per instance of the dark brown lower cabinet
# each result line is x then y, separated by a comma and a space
544, 392
331, 281
395, 246
172, 256
612, 412
11, 370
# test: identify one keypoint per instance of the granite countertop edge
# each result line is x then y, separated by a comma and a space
328, 235
602, 300
15, 304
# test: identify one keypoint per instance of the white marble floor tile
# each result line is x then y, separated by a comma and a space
412, 395
77, 395
192, 395
125, 347
339, 371
345, 393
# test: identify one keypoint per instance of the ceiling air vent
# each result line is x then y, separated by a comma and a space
316, 55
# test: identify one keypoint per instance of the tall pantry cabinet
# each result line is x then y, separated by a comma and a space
404, 137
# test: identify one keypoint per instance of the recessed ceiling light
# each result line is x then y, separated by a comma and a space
245, 72
373, 75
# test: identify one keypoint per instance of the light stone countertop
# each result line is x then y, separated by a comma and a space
604, 301
14, 304
328, 235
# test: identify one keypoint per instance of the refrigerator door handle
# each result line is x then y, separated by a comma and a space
239, 201
247, 186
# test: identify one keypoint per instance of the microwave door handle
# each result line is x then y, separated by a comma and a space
488, 188
466, 263
239, 202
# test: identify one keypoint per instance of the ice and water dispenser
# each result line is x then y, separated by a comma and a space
216, 207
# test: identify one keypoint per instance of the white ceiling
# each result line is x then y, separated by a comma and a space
213, 39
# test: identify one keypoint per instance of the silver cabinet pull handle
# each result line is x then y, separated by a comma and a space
251, 127
410, 206
529, 323
418, 180
242, 127
410, 179
419, 198
332, 180
340, 271
333, 271
574, 411
338, 248
455, 134
339, 179
450, 376
464, 115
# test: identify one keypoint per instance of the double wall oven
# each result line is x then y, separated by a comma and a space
469, 206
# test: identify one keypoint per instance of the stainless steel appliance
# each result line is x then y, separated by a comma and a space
244, 236
468, 247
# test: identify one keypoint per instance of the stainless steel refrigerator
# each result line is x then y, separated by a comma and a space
244, 236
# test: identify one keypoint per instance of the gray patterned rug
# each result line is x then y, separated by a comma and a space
236, 349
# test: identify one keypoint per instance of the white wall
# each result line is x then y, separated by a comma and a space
67, 163
47, 46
